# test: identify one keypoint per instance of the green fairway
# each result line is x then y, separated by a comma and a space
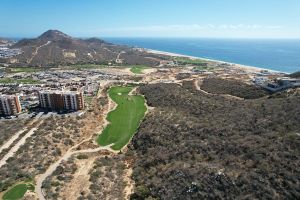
124, 120
138, 69
188, 61
18, 191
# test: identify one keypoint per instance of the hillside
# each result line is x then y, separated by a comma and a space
55, 48
198, 146
295, 75
232, 87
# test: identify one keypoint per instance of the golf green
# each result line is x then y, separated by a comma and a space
18, 191
138, 69
124, 120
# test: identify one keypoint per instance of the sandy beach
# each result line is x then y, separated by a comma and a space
234, 65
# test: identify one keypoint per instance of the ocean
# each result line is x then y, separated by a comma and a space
279, 55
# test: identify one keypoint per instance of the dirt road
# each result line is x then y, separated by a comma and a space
17, 134
12, 139
52, 168
37, 50
15, 148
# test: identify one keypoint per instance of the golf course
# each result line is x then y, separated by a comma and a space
18, 191
124, 120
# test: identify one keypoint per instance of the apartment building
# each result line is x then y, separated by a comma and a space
9, 105
61, 100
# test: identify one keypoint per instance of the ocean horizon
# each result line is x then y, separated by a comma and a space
274, 54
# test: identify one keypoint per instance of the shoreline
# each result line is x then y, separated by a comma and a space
234, 65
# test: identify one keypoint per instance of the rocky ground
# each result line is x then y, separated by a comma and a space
198, 146
232, 87
49, 142
203, 138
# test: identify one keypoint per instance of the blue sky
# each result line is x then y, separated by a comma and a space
152, 18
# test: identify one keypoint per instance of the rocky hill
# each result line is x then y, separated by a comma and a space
55, 48
192, 145
295, 75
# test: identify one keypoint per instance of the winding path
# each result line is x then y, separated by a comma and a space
37, 50
228, 96
196, 84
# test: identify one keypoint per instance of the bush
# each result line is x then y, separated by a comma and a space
82, 156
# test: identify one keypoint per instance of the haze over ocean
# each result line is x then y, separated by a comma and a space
275, 54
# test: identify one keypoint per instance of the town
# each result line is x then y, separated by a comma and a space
7, 52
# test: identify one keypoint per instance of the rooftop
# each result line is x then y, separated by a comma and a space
59, 92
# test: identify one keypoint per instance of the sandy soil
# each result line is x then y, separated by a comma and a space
117, 71
128, 71
80, 182
149, 71
129, 183
29, 195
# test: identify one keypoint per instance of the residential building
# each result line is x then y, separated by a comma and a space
259, 80
61, 100
281, 84
9, 105
119, 61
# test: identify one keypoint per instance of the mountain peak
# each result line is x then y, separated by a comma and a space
53, 35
